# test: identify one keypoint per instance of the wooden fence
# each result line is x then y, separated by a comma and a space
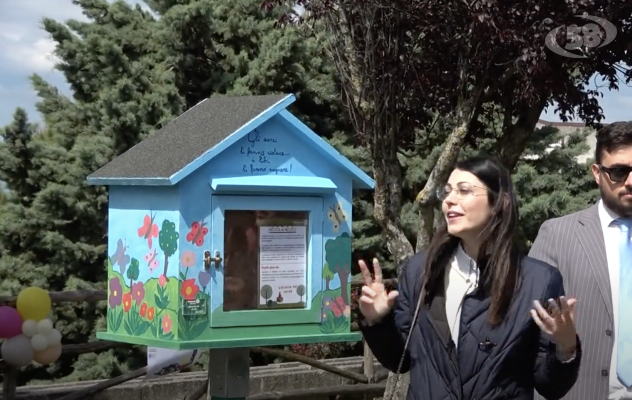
367, 383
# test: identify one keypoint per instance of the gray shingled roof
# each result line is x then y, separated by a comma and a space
187, 137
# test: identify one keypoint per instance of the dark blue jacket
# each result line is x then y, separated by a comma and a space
507, 362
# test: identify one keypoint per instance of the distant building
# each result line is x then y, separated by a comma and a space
571, 127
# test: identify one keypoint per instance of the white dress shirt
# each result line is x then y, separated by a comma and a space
611, 234
460, 281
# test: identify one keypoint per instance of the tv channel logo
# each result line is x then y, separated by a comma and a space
580, 40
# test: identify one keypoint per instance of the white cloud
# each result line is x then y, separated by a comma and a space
36, 57
25, 45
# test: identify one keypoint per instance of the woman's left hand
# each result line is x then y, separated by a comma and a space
559, 325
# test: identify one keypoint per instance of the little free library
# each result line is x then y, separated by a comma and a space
230, 227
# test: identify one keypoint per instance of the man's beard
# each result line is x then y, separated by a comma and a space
614, 203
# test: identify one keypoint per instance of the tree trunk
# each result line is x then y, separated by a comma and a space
426, 197
426, 226
344, 287
511, 144
388, 204
166, 266
397, 387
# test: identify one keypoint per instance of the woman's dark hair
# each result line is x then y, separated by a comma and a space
498, 257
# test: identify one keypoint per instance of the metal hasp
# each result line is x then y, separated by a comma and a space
208, 260
229, 374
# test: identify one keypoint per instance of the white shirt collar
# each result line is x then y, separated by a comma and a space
466, 265
606, 215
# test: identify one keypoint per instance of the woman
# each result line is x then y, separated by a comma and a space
479, 328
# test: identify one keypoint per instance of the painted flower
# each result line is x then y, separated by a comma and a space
336, 306
204, 278
138, 292
323, 316
166, 324
189, 289
116, 292
347, 311
127, 301
162, 280
341, 302
188, 259
143, 310
151, 312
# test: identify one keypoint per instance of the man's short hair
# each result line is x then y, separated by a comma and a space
612, 137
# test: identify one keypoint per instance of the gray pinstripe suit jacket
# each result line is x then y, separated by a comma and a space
575, 245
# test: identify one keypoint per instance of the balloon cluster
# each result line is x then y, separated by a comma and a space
29, 335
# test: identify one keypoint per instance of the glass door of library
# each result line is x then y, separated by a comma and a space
267, 245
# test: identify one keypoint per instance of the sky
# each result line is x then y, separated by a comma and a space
25, 49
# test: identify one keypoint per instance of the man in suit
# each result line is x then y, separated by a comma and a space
593, 251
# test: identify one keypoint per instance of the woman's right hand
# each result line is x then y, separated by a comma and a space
375, 302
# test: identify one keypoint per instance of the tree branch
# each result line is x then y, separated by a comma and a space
314, 363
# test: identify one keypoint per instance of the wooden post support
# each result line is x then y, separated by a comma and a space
9, 383
369, 371
228, 374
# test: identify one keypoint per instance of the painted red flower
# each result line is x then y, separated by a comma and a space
189, 289
166, 324
127, 301
143, 309
150, 313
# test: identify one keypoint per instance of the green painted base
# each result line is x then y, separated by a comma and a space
226, 338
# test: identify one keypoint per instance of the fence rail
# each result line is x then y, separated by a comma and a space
367, 383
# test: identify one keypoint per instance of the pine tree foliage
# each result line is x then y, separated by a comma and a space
130, 73
16, 157
121, 93
549, 180
232, 47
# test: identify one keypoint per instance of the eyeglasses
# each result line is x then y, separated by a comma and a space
463, 190
616, 174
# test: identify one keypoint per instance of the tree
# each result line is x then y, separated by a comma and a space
121, 93
300, 290
168, 241
133, 271
131, 73
17, 157
232, 47
407, 65
327, 276
339, 261
550, 181
451, 63
266, 292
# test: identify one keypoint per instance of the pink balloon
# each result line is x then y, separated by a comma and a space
10, 322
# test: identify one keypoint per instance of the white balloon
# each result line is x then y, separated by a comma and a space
45, 326
17, 351
29, 328
53, 338
39, 342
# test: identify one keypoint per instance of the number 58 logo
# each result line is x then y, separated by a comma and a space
582, 38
